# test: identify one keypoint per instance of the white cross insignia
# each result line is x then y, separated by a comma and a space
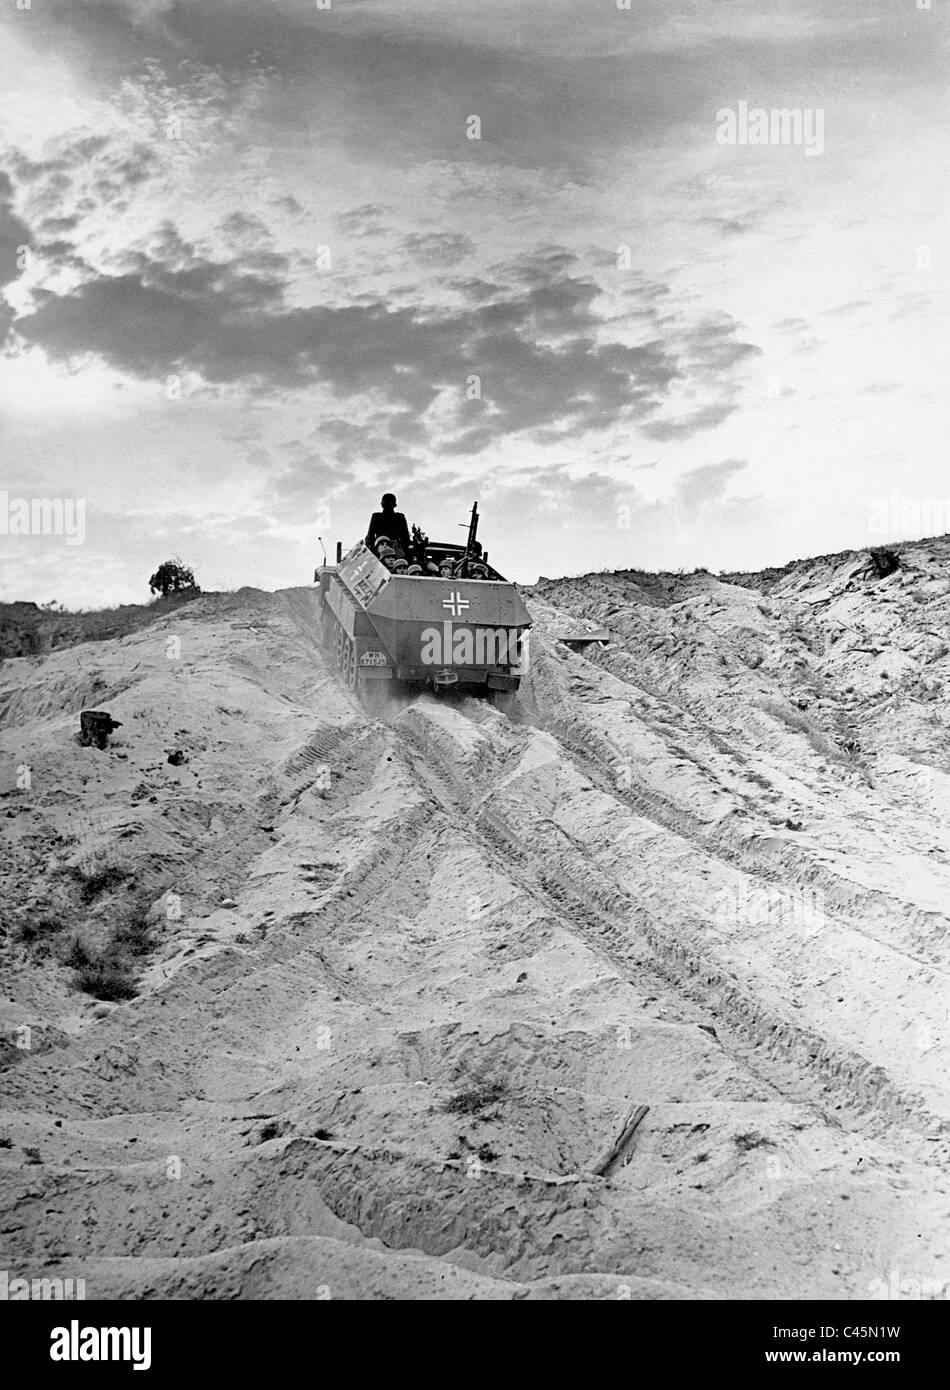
457, 604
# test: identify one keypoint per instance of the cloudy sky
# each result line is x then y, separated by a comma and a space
269, 273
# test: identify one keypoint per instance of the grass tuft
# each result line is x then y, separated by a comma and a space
477, 1099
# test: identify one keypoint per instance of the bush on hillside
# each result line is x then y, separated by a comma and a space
171, 577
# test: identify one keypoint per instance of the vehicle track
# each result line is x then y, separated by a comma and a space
590, 903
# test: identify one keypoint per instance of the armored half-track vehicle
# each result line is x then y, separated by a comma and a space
436, 629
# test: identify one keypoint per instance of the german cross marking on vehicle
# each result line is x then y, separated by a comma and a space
457, 603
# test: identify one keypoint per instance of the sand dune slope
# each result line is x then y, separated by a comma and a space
408, 975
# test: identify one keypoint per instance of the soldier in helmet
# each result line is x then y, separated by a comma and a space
389, 523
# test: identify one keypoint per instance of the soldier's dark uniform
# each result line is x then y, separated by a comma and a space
389, 523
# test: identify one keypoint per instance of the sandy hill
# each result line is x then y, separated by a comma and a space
27, 629
298, 1002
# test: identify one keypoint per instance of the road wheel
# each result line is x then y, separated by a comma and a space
348, 663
